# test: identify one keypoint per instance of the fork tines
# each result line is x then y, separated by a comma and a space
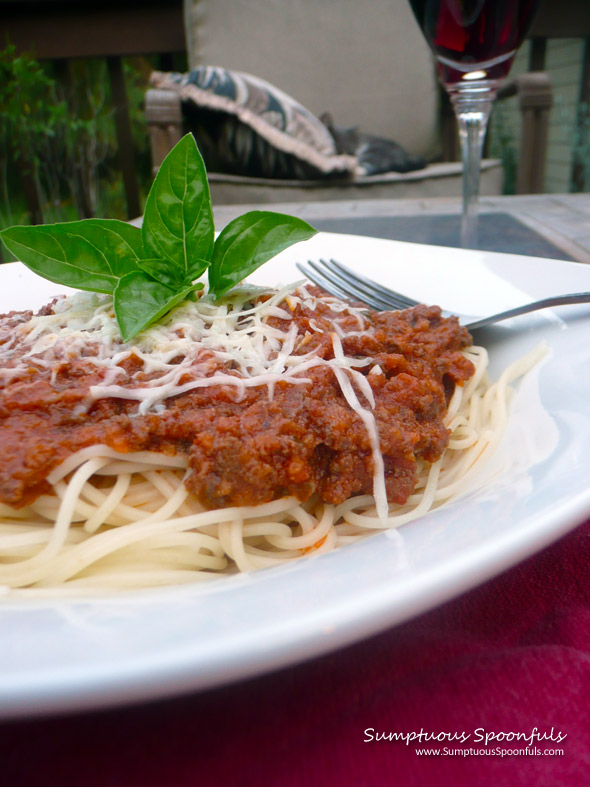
342, 282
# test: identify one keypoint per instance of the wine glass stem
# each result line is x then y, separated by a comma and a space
472, 108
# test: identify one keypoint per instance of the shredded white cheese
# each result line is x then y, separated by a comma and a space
199, 344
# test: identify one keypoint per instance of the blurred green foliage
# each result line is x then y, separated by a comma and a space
57, 129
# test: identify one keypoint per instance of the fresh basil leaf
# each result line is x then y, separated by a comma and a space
139, 300
248, 242
91, 254
163, 274
152, 269
178, 224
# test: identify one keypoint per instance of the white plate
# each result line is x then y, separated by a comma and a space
68, 655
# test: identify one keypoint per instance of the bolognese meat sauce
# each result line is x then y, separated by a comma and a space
247, 445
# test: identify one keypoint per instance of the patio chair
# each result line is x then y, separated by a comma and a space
363, 65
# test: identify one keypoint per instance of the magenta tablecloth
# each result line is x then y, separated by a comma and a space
510, 659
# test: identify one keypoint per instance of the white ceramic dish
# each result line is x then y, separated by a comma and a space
74, 655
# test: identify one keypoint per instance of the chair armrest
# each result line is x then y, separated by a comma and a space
535, 93
164, 118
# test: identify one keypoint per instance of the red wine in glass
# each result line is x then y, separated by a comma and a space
465, 34
474, 43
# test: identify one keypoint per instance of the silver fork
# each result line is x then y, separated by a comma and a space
344, 283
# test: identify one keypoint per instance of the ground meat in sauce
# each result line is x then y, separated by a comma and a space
306, 440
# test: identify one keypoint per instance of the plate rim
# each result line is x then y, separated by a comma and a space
88, 689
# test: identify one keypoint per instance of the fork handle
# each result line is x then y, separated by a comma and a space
544, 303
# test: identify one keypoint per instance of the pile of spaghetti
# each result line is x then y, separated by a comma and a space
227, 437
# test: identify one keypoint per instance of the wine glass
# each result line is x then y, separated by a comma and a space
474, 43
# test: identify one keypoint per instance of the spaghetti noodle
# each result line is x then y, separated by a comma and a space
111, 513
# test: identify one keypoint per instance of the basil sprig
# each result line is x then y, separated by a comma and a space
151, 270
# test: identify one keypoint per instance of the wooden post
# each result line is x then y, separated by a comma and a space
30, 188
536, 99
537, 54
164, 118
124, 136
63, 72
